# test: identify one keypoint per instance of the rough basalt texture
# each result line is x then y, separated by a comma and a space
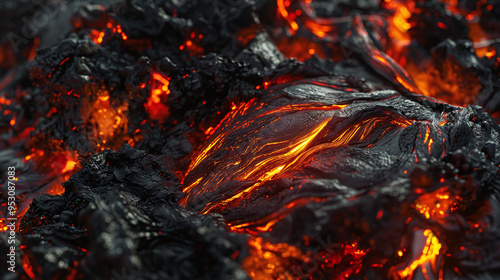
118, 218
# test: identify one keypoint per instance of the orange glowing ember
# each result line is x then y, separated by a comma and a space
70, 165
267, 261
3, 224
60, 164
447, 82
294, 48
285, 261
155, 104
111, 29
398, 27
282, 4
192, 44
436, 205
108, 121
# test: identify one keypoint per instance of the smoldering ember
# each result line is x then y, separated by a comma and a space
250, 139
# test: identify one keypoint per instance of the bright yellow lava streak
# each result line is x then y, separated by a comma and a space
429, 254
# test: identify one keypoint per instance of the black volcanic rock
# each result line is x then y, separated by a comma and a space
119, 217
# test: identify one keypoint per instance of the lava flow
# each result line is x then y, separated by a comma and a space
266, 139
